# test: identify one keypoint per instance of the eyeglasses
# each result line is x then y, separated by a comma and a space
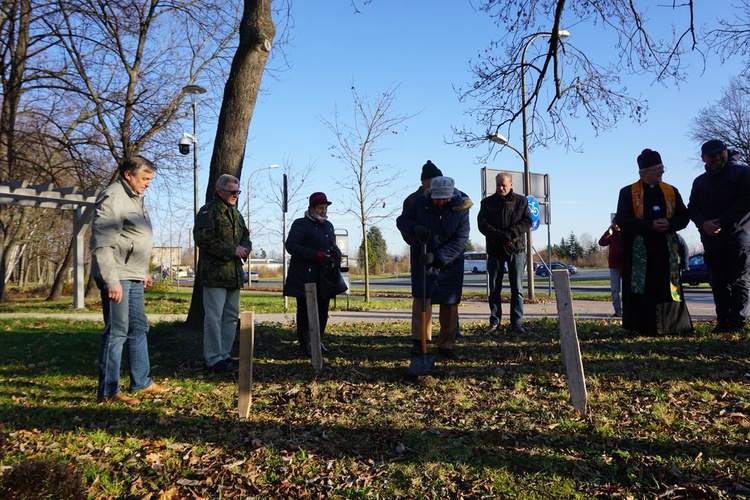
655, 168
236, 192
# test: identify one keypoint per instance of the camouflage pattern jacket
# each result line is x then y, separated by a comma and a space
219, 229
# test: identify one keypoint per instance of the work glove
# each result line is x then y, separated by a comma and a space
427, 259
421, 232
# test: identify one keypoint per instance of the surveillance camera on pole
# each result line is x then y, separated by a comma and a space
185, 141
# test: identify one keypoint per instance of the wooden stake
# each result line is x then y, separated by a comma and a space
247, 346
571, 349
311, 297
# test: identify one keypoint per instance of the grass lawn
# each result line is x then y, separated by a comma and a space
669, 418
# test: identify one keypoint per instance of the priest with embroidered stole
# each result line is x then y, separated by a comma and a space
649, 213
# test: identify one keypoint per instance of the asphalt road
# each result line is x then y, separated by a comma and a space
579, 283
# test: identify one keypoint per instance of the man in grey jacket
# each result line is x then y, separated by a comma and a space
121, 241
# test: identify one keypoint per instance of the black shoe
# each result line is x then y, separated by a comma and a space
448, 353
416, 348
491, 330
617, 314
323, 348
720, 328
304, 351
223, 366
518, 328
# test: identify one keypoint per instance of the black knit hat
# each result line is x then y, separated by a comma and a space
648, 158
430, 171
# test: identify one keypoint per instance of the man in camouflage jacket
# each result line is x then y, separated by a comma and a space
221, 234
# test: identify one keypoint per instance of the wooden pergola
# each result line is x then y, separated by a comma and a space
21, 194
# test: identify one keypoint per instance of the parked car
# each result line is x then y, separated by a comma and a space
254, 275
697, 271
544, 271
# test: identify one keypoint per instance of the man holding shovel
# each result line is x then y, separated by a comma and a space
439, 223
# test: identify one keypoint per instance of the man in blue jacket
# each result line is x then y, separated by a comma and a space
441, 219
720, 207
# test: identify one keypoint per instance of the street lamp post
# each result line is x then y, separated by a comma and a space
525, 155
250, 257
194, 91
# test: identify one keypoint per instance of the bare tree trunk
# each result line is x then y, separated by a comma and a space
62, 271
11, 99
257, 31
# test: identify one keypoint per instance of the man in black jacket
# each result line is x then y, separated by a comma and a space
504, 219
720, 207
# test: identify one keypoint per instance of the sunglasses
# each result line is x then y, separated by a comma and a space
236, 192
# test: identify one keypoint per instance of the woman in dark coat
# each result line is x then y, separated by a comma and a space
315, 258
649, 213
441, 218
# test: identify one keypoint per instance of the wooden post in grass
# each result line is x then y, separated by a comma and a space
571, 350
247, 346
311, 297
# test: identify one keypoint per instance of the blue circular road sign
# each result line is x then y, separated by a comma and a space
534, 209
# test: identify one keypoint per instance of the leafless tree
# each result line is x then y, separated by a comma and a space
727, 119
104, 77
296, 198
563, 82
256, 35
732, 36
368, 182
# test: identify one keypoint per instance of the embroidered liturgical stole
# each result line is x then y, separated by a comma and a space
638, 275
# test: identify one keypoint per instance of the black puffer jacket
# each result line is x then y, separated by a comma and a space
504, 220
307, 238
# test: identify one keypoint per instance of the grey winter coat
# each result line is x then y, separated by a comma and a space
121, 235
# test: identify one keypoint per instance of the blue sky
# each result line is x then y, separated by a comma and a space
425, 48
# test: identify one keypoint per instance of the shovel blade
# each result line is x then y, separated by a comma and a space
422, 365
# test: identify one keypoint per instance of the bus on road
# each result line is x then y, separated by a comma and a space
475, 262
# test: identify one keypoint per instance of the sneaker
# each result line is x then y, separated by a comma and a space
448, 353
120, 398
222, 366
518, 328
416, 348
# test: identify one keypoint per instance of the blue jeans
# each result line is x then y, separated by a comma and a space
222, 307
495, 273
126, 324
615, 284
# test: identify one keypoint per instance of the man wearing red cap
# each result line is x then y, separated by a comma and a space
649, 213
720, 207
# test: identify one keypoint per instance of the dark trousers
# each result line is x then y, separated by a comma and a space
730, 282
303, 324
